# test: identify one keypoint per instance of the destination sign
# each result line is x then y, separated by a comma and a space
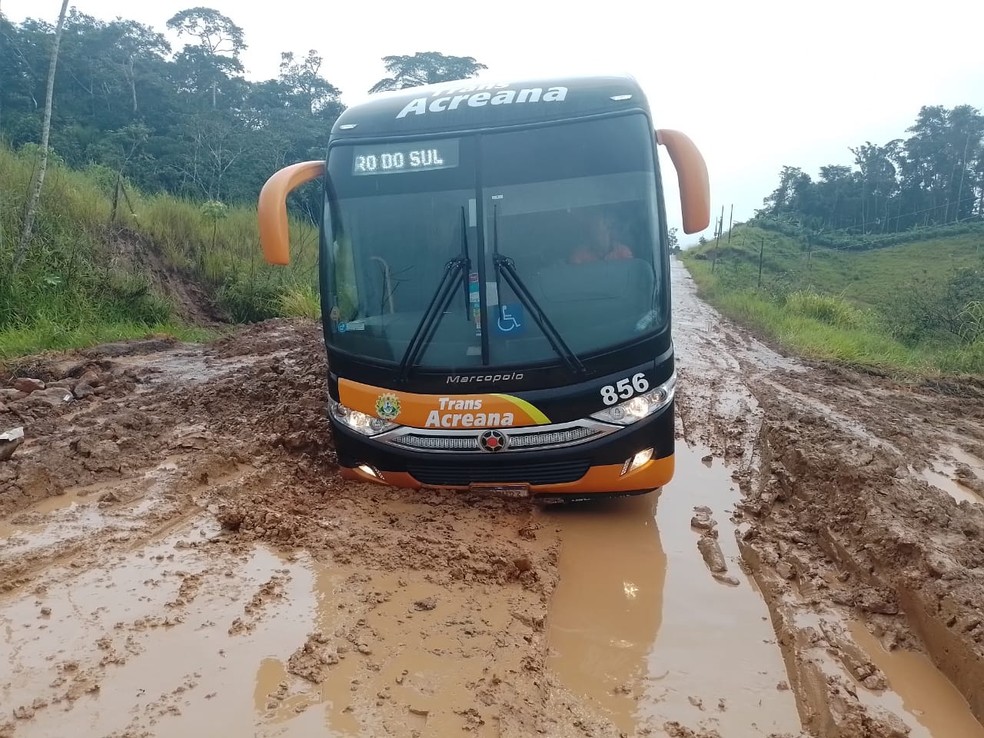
420, 156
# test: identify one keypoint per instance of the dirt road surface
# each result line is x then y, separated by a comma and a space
179, 558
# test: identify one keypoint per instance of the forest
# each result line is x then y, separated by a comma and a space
933, 177
180, 120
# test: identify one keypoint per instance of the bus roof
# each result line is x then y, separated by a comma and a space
481, 103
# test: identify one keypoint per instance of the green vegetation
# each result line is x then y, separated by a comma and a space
917, 307
147, 217
88, 278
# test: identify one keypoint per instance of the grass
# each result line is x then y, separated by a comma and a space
301, 301
914, 308
87, 277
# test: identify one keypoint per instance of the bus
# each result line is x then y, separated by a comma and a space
495, 285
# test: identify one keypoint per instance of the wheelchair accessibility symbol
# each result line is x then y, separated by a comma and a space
510, 320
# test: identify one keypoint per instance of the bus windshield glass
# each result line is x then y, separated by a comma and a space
500, 249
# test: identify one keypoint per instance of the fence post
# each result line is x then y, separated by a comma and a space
717, 241
761, 251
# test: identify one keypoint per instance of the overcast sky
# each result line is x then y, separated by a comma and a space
756, 84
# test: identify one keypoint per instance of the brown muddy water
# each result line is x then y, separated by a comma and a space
640, 628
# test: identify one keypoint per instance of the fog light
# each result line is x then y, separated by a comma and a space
636, 461
366, 469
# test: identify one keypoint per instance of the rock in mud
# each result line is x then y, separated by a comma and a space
882, 603
785, 570
312, 660
27, 385
710, 549
52, 396
24, 712
83, 390
702, 519
87, 448
230, 517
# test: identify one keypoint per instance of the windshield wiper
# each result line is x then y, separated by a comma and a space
456, 268
506, 267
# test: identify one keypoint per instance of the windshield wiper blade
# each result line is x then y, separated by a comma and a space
456, 268
506, 267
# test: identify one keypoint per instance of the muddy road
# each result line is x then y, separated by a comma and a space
178, 557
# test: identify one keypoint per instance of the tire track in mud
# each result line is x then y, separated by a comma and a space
245, 584
210, 568
865, 565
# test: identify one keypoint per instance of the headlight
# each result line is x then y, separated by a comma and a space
367, 425
640, 406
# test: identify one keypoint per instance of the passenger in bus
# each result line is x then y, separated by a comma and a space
602, 244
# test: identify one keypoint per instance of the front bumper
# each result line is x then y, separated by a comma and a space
593, 467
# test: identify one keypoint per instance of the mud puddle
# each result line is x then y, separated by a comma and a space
640, 627
931, 706
401, 669
161, 640
77, 513
48, 511
943, 479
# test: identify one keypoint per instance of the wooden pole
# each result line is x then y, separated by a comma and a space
761, 252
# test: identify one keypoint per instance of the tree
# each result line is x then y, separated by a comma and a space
879, 181
791, 194
216, 57
836, 197
135, 48
672, 240
302, 85
940, 180
38, 182
425, 68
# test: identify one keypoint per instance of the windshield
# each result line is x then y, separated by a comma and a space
555, 231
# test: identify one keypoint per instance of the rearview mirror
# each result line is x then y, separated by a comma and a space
272, 208
695, 190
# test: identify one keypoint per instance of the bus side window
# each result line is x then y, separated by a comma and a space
345, 288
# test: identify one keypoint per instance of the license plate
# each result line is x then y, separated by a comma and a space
501, 490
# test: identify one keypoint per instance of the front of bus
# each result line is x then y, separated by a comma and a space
496, 293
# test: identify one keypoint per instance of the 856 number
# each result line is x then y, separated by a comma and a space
624, 388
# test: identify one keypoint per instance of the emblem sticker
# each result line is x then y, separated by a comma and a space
493, 441
388, 406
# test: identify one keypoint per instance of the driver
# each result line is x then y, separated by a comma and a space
602, 244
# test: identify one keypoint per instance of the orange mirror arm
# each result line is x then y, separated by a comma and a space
695, 189
272, 208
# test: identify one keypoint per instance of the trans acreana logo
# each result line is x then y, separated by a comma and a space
388, 406
477, 96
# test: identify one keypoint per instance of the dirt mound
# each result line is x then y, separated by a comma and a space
193, 302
